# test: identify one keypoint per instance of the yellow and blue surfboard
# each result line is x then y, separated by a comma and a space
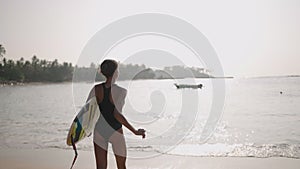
84, 123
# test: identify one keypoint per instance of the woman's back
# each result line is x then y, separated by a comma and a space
107, 123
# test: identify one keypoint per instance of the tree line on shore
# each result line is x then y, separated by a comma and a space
41, 70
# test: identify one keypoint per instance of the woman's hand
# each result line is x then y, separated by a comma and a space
140, 132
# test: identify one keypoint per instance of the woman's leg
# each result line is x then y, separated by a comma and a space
100, 149
119, 147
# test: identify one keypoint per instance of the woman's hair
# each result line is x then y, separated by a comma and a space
108, 67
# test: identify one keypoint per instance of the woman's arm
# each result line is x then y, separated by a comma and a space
119, 104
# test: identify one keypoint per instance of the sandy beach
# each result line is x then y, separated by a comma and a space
61, 159
192, 84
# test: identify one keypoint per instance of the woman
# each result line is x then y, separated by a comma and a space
111, 99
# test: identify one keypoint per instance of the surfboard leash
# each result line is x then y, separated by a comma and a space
75, 149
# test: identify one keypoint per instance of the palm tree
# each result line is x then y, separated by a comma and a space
2, 51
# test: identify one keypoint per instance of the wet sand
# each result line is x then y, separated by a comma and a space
62, 159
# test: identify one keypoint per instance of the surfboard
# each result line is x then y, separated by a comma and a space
83, 125
84, 122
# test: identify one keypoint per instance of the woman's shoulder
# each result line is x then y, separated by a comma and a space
99, 85
119, 88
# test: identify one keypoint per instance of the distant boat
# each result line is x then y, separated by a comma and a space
182, 86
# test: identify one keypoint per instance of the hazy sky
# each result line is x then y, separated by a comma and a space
251, 38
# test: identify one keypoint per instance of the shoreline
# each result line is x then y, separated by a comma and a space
61, 159
15, 83
2, 84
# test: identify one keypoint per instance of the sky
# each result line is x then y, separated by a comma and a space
251, 38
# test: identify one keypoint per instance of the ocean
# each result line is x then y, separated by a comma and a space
257, 120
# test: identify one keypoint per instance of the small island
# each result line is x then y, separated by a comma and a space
45, 71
